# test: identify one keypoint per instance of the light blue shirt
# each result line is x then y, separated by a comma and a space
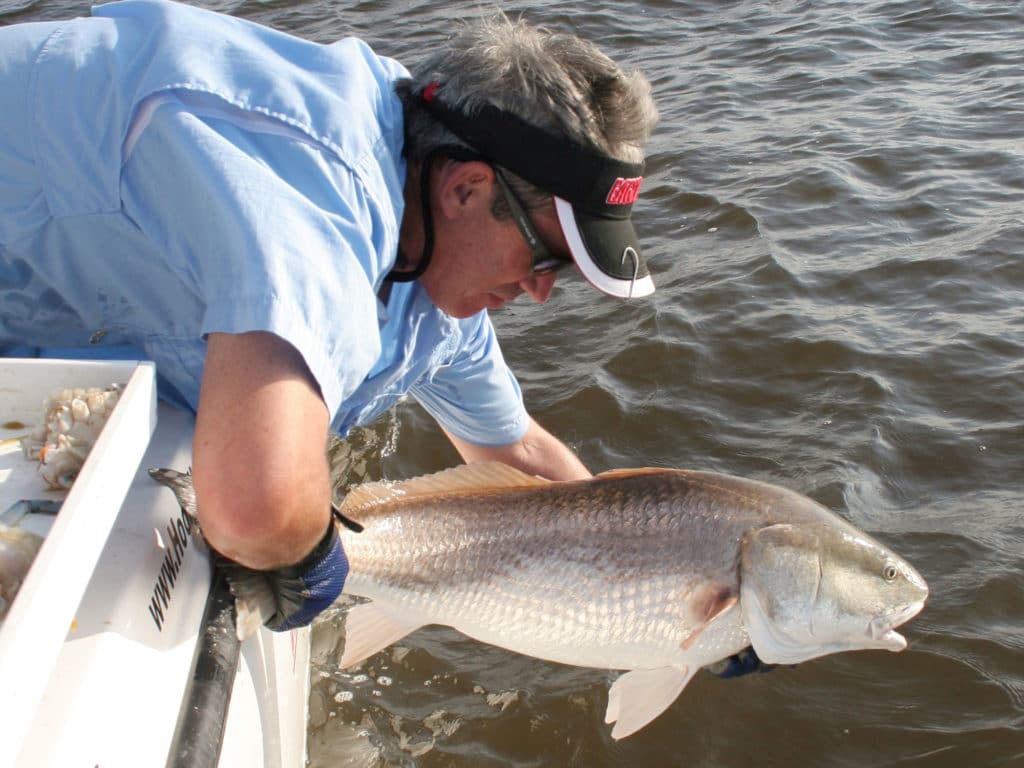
167, 172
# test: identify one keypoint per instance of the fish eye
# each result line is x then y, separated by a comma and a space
890, 572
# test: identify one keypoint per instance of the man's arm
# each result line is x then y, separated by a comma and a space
259, 463
538, 452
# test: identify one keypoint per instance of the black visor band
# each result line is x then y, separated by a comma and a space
587, 179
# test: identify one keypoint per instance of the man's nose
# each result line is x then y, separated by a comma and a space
539, 287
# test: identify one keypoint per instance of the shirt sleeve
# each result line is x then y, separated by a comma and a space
476, 396
269, 234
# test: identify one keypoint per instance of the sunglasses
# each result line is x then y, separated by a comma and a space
544, 262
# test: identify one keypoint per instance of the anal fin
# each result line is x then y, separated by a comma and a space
640, 695
369, 629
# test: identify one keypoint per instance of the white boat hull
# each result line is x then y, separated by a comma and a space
108, 689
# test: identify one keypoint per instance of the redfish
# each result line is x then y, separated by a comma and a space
656, 572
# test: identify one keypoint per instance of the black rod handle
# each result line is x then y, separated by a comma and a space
199, 734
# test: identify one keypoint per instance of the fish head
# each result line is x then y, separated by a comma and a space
808, 590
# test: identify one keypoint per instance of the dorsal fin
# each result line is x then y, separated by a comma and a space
477, 477
635, 472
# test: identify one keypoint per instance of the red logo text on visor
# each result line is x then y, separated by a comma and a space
624, 191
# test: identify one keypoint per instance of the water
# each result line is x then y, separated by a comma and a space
833, 211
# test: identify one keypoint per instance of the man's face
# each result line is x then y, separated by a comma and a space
480, 262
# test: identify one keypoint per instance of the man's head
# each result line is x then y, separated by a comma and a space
552, 131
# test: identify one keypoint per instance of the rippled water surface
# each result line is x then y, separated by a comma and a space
834, 210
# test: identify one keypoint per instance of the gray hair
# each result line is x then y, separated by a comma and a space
554, 81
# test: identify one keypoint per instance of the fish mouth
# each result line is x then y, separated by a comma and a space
882, 631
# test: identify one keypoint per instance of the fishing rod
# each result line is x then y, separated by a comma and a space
199, 733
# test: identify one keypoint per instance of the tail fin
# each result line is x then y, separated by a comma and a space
181, 484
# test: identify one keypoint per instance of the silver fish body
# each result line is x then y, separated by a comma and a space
656, 572
605, 573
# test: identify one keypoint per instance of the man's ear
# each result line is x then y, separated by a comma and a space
464, 187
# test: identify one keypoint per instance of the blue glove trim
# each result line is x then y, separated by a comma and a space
306, 589
743, 663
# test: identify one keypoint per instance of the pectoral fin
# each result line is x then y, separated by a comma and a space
708, 604
368, 629
638, 697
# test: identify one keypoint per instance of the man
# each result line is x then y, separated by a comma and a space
301, 234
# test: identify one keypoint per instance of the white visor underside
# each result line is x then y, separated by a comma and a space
624, 289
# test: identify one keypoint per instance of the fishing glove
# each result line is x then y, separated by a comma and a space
302, 591
743, 663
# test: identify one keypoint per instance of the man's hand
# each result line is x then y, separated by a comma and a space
304, 590
538, 452
743, 663
282, 598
